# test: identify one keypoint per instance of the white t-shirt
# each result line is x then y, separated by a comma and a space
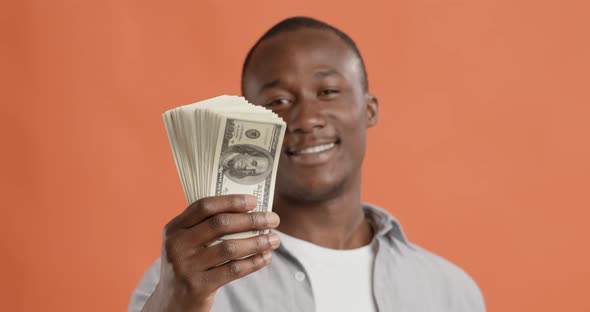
341, 280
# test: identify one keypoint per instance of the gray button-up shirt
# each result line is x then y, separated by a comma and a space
406, 278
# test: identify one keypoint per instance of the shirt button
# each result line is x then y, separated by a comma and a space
299, 276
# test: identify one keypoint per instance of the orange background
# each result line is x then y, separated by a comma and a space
482, 148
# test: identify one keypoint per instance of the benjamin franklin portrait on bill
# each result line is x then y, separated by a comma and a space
246, 163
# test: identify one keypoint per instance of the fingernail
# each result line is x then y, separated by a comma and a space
273, 218
266, 256
274, 239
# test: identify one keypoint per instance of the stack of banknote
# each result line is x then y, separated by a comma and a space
226, 145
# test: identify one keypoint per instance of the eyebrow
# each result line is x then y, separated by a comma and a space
271, 84
326, 73
320, 74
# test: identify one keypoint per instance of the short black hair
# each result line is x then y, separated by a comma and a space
302, 22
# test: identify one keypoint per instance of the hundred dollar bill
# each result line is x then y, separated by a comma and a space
246, 159
225, 145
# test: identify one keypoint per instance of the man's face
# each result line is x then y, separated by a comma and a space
250, 164
313, 80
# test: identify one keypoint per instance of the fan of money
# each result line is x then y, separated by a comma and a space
225, 145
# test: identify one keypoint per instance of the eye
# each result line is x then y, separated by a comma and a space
254, 163
328, 92
277, 102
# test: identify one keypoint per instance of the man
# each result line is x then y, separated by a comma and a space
336, 253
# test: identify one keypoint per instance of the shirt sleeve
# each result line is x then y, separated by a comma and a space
469, 297
462, 291
145, 288
459, 289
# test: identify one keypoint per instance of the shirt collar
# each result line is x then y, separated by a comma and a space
384, 224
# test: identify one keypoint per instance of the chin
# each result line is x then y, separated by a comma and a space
309, 191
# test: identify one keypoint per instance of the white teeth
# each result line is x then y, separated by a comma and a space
317, 149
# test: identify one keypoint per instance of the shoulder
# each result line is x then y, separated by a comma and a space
442, 280
419, 272
449, 274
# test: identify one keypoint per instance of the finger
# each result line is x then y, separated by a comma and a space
236, 249
218, 225
236, 269
209, 206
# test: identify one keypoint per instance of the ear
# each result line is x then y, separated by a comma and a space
372, 110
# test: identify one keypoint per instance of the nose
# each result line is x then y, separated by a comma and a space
305, 116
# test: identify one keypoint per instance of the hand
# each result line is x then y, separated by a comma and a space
191, 272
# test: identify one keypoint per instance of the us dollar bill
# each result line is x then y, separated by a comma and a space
246, 160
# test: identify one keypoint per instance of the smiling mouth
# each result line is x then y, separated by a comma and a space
316, 149
313, 149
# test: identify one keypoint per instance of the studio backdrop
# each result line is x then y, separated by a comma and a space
481, 150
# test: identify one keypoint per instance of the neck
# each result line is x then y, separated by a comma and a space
336, 223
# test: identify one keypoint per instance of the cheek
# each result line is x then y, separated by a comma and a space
355, 142
354, 135
353, 120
